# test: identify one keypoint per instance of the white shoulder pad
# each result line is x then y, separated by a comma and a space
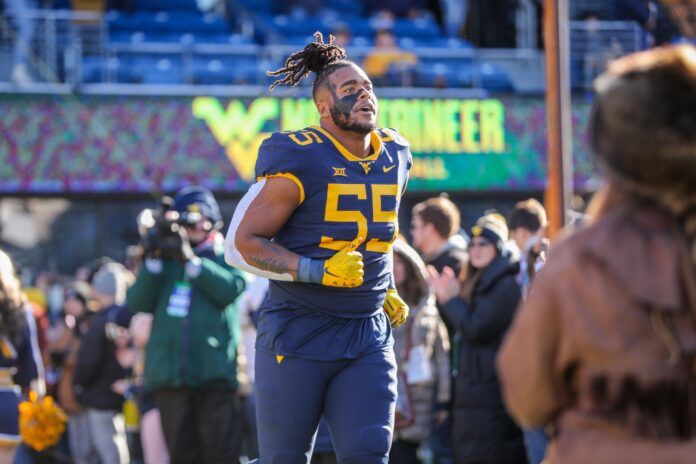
232, 254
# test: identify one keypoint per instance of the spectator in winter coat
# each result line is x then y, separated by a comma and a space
603, 349
481, 309
421, 346
64, 344
99, 430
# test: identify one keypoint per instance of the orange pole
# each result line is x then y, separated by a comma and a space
559, 190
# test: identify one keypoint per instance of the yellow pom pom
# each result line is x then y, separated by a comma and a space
41, 422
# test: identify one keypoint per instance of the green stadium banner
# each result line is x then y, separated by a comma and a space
58, 145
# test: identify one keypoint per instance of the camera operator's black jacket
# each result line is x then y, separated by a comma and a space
199, 350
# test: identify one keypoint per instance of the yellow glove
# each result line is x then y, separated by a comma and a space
396, 308
345, 268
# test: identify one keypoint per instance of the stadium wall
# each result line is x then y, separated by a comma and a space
135, 145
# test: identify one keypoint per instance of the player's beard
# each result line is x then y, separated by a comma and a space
344, 122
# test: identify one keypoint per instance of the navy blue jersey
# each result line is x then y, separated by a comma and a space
342, 197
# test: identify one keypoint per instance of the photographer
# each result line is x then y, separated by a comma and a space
191, 359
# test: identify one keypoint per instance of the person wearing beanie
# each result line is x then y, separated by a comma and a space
99, 429
603, 349
109, 285
191, 357
480, 305
492, 227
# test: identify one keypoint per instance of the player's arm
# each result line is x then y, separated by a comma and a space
262, 212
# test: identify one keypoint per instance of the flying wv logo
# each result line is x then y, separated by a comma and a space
366, 165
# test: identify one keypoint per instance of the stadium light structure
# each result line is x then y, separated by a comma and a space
559, 187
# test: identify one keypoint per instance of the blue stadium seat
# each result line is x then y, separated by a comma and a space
149, 69
175, 21
407, 43
115, 71
124, 36
258, 6
137, 37
297, 26
215, 38
435, 42
122, 22
360, 41
92, 69
225, 70
167, 5
416, 28
306, 26
444, 73
346, 7
494, 78
161, 71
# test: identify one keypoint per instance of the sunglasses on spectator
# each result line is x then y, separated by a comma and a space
480, 243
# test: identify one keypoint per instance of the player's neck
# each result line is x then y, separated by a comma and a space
357, 144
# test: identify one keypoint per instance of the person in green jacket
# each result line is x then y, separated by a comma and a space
191, 358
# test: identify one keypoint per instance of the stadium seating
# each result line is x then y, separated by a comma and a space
137, 42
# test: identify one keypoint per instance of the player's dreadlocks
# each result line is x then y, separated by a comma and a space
317, 57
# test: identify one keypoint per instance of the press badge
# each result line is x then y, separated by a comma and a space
179, 300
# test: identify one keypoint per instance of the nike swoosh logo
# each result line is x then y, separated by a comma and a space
387, 169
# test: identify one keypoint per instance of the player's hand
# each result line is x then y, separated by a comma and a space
396, 308
345, 268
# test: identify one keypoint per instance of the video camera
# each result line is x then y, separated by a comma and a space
162, 232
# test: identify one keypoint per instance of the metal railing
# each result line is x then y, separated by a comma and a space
49, 44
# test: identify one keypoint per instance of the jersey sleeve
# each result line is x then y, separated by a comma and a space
278, 157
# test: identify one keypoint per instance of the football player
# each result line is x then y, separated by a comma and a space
319, 223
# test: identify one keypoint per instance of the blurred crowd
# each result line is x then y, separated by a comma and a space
154, 357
